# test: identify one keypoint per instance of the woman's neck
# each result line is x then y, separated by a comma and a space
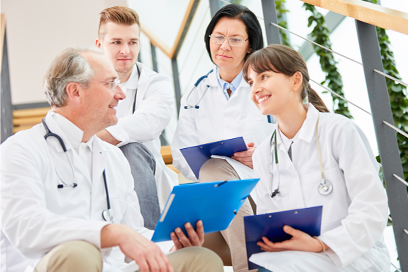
229, 74
292, 120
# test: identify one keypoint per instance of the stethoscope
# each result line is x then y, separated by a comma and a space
270, 118
325, 187
194, 87
138, 77
107, 215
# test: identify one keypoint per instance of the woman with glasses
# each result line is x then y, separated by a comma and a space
219, 107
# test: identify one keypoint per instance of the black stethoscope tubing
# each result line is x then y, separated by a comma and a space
60, 186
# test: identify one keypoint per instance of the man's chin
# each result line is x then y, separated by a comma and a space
124, 69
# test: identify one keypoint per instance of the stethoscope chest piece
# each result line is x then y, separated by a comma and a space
325, 187
107, 215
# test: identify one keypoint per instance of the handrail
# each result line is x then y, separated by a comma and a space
156, 41
2, 33
367, 12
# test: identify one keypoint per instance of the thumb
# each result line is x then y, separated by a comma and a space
251, 144
291, 231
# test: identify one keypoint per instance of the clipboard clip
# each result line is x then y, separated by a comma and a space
244, 198
219, 184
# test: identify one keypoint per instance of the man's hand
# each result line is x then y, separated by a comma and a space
300, 241
245, 157
144, 252
104, 135
195, 238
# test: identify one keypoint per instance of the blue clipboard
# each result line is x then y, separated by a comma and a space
270, 225
215, 203
197, 155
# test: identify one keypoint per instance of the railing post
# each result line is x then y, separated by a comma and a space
154, 58
386, 137
6, 106
269, 13
163, 140
214, 7
176, 80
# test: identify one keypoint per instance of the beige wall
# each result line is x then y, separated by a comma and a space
37, 30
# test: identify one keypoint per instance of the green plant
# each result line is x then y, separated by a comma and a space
397, 93
320, 34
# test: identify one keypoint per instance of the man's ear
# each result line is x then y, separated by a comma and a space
74, 92
98, 43
249, 49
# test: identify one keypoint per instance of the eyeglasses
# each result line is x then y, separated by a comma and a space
112, 84
233, 41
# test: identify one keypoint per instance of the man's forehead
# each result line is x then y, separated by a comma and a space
118, 31
100, 64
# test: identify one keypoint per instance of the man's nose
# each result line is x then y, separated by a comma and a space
119, 94
125, 49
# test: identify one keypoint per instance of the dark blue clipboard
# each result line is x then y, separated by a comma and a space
197, 155
270, 225
215, 203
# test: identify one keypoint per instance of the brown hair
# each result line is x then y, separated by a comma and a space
282, 59
118, 15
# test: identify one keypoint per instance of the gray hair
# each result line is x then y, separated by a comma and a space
69, 66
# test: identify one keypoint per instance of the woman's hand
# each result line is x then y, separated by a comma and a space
245, 157
300, 241
195, 238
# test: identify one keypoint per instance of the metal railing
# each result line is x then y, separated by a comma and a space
367, 16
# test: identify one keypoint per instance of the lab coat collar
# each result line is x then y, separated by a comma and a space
70, 134
306, 132
53, 120
213, 82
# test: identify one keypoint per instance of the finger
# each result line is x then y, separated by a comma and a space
265, 247
182, 238
241, 154
152, 263
143, 266
160, 259
292, 231
176, 241
200, 231
251, 144
192, 235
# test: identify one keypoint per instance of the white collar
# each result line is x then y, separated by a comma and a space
72, 133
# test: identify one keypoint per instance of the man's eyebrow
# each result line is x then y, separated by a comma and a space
109, 79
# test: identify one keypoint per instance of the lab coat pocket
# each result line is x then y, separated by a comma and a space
119, 208
335, 204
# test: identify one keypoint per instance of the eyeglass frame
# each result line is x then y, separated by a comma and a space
113, 84
229, 41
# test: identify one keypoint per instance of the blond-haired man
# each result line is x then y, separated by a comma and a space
144, 113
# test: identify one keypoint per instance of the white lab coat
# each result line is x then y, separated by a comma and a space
37, 216
354, 214
153, 111
216, 119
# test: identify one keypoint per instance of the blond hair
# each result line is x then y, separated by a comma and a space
118, 15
